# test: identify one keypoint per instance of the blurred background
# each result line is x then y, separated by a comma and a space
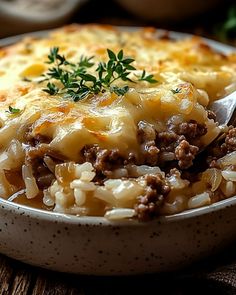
214, 19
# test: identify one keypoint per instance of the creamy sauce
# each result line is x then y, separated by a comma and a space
37, 202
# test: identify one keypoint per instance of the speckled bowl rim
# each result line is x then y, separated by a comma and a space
19, 209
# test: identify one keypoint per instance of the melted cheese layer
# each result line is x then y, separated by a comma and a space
106, 119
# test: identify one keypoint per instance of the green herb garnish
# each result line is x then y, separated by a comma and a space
75, 82
85, 62
175, 91
12, 110
119, 90
51, 89
148, 78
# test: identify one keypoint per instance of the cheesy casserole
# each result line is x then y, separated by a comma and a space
133, 154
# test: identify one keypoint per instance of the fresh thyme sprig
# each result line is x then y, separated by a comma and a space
13, 111
148, 78
76, 82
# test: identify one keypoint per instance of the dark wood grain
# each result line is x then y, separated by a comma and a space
17, 278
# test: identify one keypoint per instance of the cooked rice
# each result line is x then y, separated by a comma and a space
31, 187
120, 213
199, 200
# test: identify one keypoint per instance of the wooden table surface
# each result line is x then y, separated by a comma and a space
18, 278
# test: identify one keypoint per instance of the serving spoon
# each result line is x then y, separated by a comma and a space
224, 109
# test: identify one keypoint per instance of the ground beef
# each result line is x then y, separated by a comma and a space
149, 204
222, 146
213, 154
191, 129
34, 158
146, 135
230, 142
179, 142
34, 140
145, 132
90, 153
131, 159
170, 145
44, 177
167, 141
174, 171
185, 154
150, 153
211, 115
103, 160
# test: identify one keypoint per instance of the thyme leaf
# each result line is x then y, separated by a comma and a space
148, 78
175, 91
76, 82
13, 111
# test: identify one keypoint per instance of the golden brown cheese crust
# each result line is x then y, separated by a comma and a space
106, 119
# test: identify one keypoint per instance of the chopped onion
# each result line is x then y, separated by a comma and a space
229, 175
227, 160
213, 177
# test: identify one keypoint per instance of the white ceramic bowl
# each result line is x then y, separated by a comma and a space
15, 20
96, 246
